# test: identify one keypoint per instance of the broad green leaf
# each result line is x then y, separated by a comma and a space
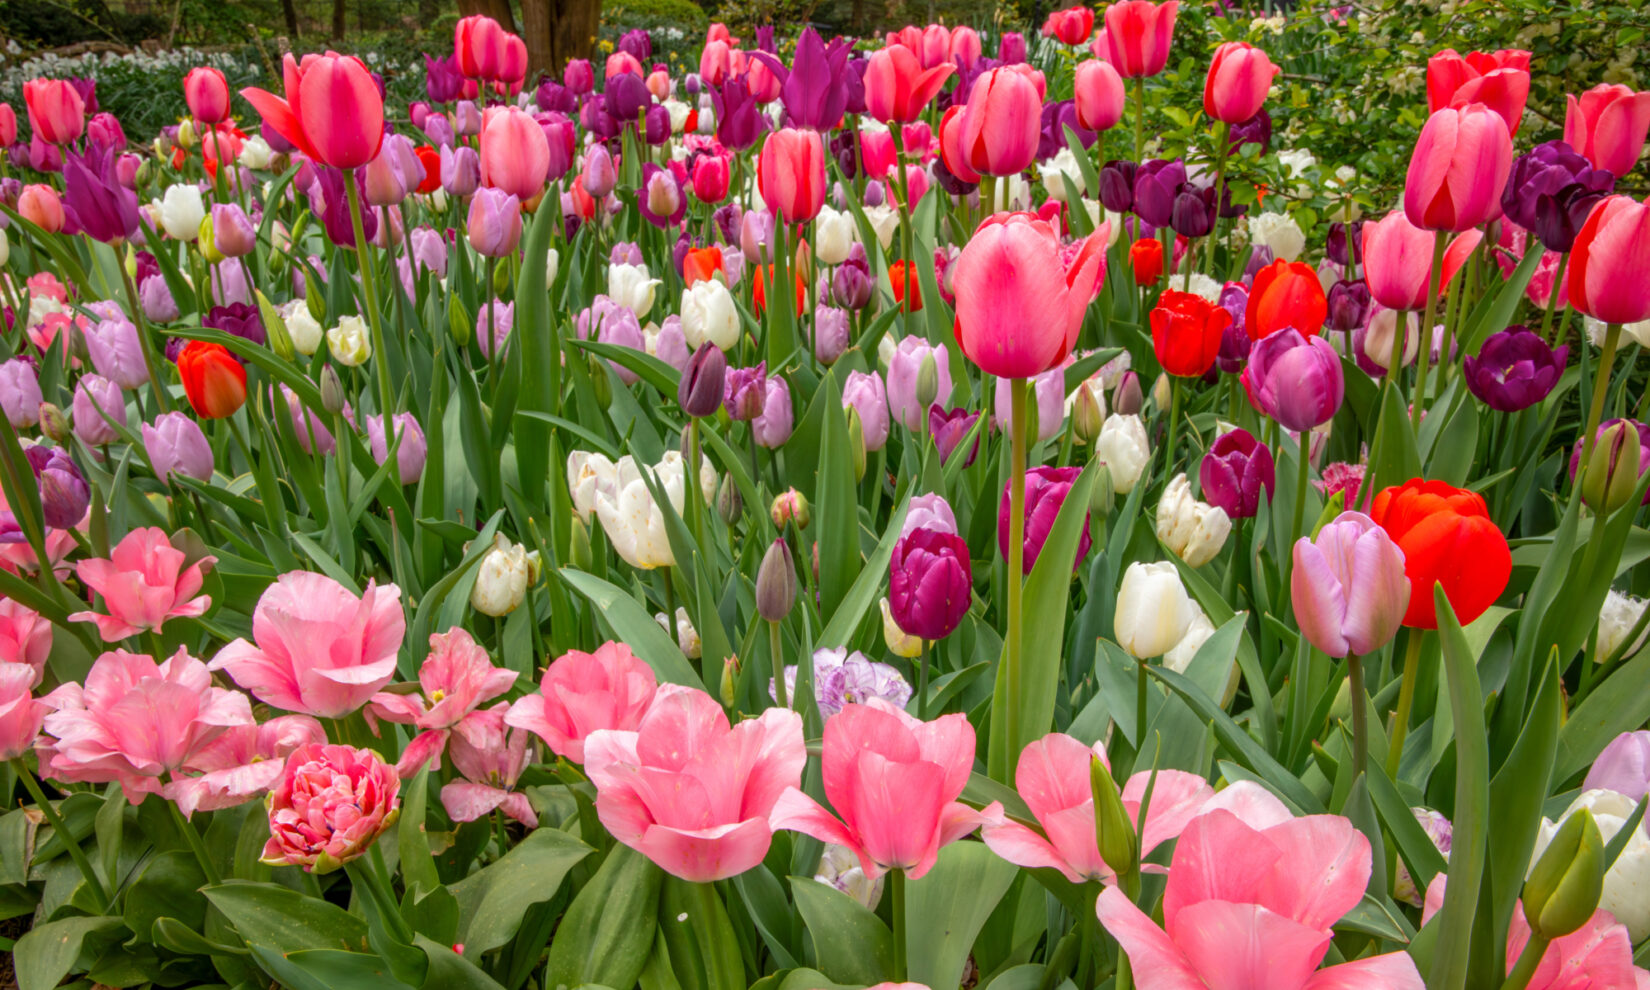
286, 920
493, 900
632, 625
851, 945
839, 629
695, 928
946, 909
327, 969
46, 953
607, 933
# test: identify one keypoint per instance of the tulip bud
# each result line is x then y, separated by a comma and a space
928, 382
730, 682
1564, 886
791, 506
459, 323
1160, 392
315, 298
1612, 475
53, 423
275, 329
130, 263
501, 580
207, 242
1126, 399
1112, 828
856, 443
501, 279
578, 549
332, 391
1086, 417
601, 384
776, 583
730, 505
700, 390
186, 133
1103, 496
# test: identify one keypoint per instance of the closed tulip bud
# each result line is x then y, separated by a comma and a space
314, 298
275, 330
53, 424
1086, 416
776, 583
1127, 399
459, 323
1160, 392
501, 580
1113, 830
730, 504
700, 390
1564, 886
856, 443
928, 381
730, 681
578, 544
1103, 496
791, 506
1611, 477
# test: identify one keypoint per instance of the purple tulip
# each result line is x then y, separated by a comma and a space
409, 456
1348, 305
1348, 586
812, 89
831, 333
175, 443
699, 391
1255, 130
553, 95
950, 429
466, 118
670, 346
746, 392
853, 85
1046, 491
842, 678
1057, 116
1234, 342
738, 118
627, 96
443, 83
1295, 380
20, 395
729, 219
1514, 369
1117, 185
155, 296
904, 370
851, 286
112, 344
87, 88
1156, 185
334, 206
1193, 212
439, 130
94, 201
277, 144
95, 397
1337, 244
864, 391
64, 494
1644, 449
930, 585
1236, 472
772, 427
1551, 191
638, 43
237, 319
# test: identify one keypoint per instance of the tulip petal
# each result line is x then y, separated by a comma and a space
1025, 848
1392, 971
1246, 946
1157, 963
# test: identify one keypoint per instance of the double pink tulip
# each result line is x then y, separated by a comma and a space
584, 692
689, 791
790, 173
515, 154
1349, 587
1139, 34
897, 87
1499, 80
143, 583
25, 637
454, 680
1001, 123
20, 712
1053, 777
1608, 124
1610, 263
1098, 91
319, 649
331, 805
332, 111
1021, 295
57, 114
242, 764
1238, 80
895, 782
1397, 257
1458, 169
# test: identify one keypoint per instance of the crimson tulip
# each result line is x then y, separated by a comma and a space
1186, 332
1499, 80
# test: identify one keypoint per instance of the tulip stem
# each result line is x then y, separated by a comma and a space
1016, 563
100, 894
369, 302
1139, 118
781, 694
145, 346
193, 839
1552, 297
922, 680
1528, 960
1305, 470
1406, 700
1174, 428
1360, 717
1601, 385
896, 890
1439, 243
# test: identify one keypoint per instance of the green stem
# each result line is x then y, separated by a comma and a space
100, 894
1439, 243
1016, 560
896, 890
1360, 718
1302, 453
1139, 118
1528, 960
1220, 193
1173, 426
363, 255
922, 681
1406, 700
778, 662
145, 346
1601, 385
196, 846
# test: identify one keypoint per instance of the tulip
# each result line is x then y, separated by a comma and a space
1186, 333
1146, 261
207, 93
1447, 538
1609, 264
1099, 94
1551, 191
213, 380
1624, 765
1458, 169
1612, 438
1499, 80
1153, 611
113, 346
1278, 233
494, 223
929, 584
95, 203
25, 641
1348, 304
460, 171
1621, 891
1045, 494
790, 174
833, 236
57, 113
1193, 531
1236, 473
333, 110
349, 343
1295, 380
1514, 369
20, 395
1608, 124
1046, 408
1397, 257
1157, 185
864, 394
1122, 447
582, 693
176, 443
453, 682
21, 715
515, 155
94, 398
143, 583
1140, 33
904, 369
8, 125
1349, 586
897, 87
1238, 80
242, 764
710, 179
411, 449
1285, 295
331, 805
1020, 303
40, 205
633, 523
1000, 123
773, 426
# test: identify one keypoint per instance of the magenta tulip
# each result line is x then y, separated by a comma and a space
1021, 295
207, 93
1237, 82
1295, 380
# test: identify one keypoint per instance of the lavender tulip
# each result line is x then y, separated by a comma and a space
830, 333
1348, 586
175, 443
950, 428
842, 678
409, 456
20, 395
94, 398
772, 427
929, 511
864, 391
904, 370
1236, 473
64, 494
746, 393
1623, 766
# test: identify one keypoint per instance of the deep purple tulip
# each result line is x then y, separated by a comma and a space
1235, 473
1550, 192
952, 185
1117, 185
1193, 214
442, 81
64, 494
738, 118
638, 43
930, 585
1295, 380
1234, 340
812, 89
1057, 116
729, 219
853, 85
699, 392
851, 287
1336, 244
238, 319
656, 125
1156, 185
1514, 369
335, 215
1348, 305
1046, 491
746, 391
1644, 448
553, 96
627, 96
950, 428
94, 201
1255, 130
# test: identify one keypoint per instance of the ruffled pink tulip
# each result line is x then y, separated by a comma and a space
242, 764
57, 114
584, 692
1458, 169
490, 756
1021, 296
1053, 777
1499, 80
136, 721
207, 93
1397, 257
1238, 80
895, 782
1098, 90
791, 174
1349, 587
20, 712
331, 805
143, 583
1140, 33
1610, 263
1608, 124
690, 792
454, 680
515, 155
25, 637
1254, 907
897, 87
332, 111
319, 649
1001, 123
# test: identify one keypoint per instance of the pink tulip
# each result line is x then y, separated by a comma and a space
1608, 124
242, 764
1623, 767
714, 63
1254, 907
1140, 33
1237, 82
136, 721
1021, 296
454, 680
332, 111
25, 637
20, 712
582, 693
1349, 587
791, 174
1610, 263
515, 155
910, 36
621, 63
332, 803
965, 47
491, 757
40, 205
1001, 123
479, 47
207, 93
876, 149
1053, 777
57, 114
1397, 257
1458, 169
690, 792
897, 87
936, 46
320, 650
8, 125
658, 83
1099, 93
895, 782
952, 150
143, 583
1499, 80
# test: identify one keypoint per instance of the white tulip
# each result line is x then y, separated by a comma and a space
1204, 286
501, 581
302, 327
1280, 232
1627, 886
1122, 447
899, 642
255, 153
678, 115
5, 247
708, 314
181, 211
349, 343
1055, 171
1154, 612
833, 235
436, 200
1195, 531
687, 637
884, 221
587, 474
552, 266
1615, 621
634, 523
631, 287
1378, 334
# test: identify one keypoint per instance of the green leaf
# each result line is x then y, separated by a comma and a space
698, 934
1517, 792
168, 886
450, 971
946, 909
540, 357
286, 920
493, 901
837, 502
327, 969
857, 602
607, 934
412, 846
46, 953
632, 625
851, 945
1394, 445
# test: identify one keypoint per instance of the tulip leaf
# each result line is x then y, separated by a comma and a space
629, 622
540, 357
850, 944
327, 969
1085, 162
286, 920
1516, 794
493, 901
1394, 447
837, 509
46, 953
839, 629
607, 933
946, 909
647, 367
1415, 848
698, 937
1495, 310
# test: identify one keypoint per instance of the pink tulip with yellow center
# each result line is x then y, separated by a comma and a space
490, 755
143, 583
454, 681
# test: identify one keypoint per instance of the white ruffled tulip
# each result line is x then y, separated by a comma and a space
501, 582
1123, 448
302, 327
1154, 613
708, 314
1194, 530
1278, 231
1615, 621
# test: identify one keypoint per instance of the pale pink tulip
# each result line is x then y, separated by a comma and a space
1348, 586
25, 636
454, 680
1623, 767
20, 712
491, 756
690, 792
331, 804
1053, 778
136, 721
242, 764
895, 781
143, 583
319, 650
584, 692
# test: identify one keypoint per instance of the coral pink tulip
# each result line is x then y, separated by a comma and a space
242, 764
1349, 587
936, 46
57, 114
332, 110
25, 636
713, 63
1254, 907
40, 205
584, 692
952, 151
1001, 123
1499, 80
894, 781
20, 712
897, 87
1610, 263
136, 721
1397, 257
480, 48
207, 93
1458, 169
1021, 296
690, 792
490, 756
1099, 94
320, 650
515, 155
454, 680
1237, 82
1608, 124
1140, 33
143, 583
621, 63
791, 174
331, 805
1053, 777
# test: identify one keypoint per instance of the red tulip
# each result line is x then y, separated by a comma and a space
1072, 25
1099, 94
1237, 83
1140, 33
1458, 169
333, 111
212, 379
1499, 80
56, 112
1608, 125
1021, 297
790, 173
1001, 123
481, 49
515, 155
902, 277
1286, 294
431, 160
1610, 263
1146, 260
897, 87
1186, 332
1447, 538
759, 290
207, 93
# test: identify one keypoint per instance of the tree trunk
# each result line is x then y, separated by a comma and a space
556, 31
291, 13
498, 10
339, 9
